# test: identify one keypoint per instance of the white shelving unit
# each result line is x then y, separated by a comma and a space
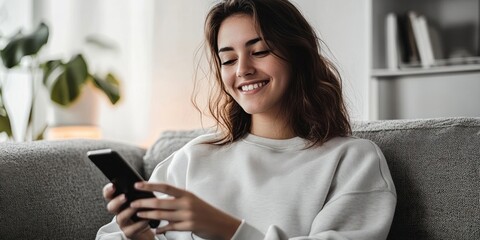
440, 91
387, 73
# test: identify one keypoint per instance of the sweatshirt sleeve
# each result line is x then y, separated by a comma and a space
360, 205
111, 231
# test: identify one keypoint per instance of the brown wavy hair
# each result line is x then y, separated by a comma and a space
313, 105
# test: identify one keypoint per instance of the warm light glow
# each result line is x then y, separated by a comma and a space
66, 132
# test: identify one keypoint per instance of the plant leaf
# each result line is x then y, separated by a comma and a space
77, 68
110, 86
5, 125
69, 82
24, 45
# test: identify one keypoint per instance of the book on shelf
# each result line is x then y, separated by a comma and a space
392, 42
412, 54
422, 39
409, 41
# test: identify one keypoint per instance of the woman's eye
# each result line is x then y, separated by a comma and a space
261, 53
228, 62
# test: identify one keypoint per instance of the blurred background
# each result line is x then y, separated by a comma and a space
153, 48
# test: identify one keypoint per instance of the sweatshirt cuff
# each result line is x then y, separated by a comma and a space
247, 232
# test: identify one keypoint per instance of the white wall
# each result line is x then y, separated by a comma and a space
344, 25
178, 38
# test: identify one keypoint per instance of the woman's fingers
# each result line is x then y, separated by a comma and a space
136, 229
115, 204
155, 203
160, 187
176, 226
132, 229
171, 216
124, 217
108, 191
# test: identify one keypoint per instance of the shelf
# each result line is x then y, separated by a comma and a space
424, 71
445, 87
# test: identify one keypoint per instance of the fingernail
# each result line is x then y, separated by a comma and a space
138, 184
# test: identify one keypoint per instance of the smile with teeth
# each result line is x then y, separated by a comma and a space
250, 87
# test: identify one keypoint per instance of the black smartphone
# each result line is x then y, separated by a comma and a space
123, 177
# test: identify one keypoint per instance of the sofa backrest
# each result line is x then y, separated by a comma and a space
50, 190
435, 167
434, 164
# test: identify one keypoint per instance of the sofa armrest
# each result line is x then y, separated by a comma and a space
50, 190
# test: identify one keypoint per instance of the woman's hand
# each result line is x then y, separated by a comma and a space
185, 212
132, 230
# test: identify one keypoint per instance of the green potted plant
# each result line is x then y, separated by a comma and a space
65, 80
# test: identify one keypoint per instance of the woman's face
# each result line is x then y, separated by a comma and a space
255, 77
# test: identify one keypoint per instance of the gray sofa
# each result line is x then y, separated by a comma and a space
50, 190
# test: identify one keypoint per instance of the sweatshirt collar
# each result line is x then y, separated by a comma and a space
295, 143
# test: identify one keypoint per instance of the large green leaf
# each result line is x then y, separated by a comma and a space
110, 86
77, 69
5, 125
24, 45
67, 85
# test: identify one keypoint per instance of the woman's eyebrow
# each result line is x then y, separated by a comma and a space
252, 41
248, 43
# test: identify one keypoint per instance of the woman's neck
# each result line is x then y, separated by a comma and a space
275, 128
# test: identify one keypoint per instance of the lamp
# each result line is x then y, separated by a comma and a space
69, 132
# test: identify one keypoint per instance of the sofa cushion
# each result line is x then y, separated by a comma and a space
50, 190
434, 164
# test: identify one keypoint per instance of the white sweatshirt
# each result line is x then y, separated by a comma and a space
283, 190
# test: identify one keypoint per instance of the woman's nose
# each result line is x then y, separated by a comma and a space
245, 67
